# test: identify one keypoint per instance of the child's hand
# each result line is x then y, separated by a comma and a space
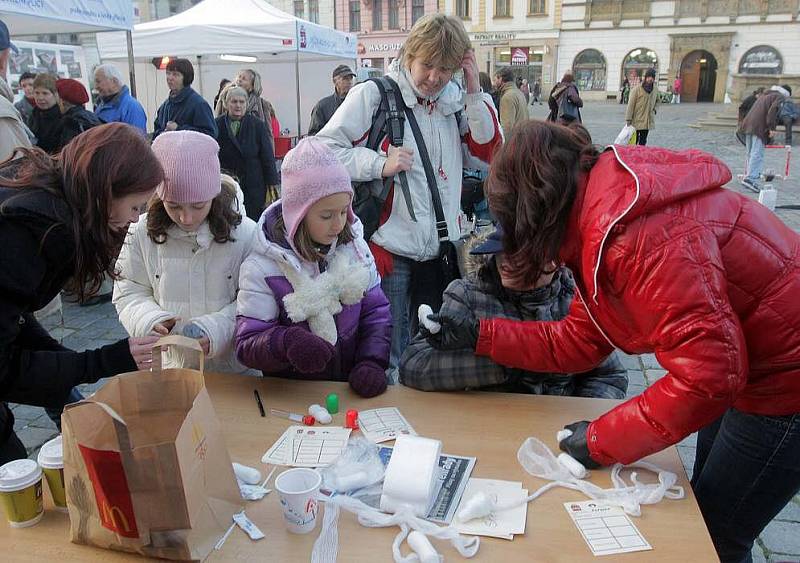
368, 379
305, 351
165, 327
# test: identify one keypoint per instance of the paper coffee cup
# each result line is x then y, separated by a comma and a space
21, 492
298, 489
51, 459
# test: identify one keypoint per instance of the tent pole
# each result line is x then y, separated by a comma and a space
297, 81
131, 69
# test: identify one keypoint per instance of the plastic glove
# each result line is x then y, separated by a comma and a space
576, 446
457, 332
306, 352
368, 379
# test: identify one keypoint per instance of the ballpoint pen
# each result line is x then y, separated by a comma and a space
259, 403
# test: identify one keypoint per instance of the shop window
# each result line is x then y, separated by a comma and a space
589, 70
355, 15
636, 63
762, 59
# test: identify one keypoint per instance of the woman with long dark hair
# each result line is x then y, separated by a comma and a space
62, 223
667, 261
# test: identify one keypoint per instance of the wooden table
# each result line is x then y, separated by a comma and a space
489, 426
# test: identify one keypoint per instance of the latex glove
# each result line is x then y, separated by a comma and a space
576, 445
306, 352
368, 379
457, 333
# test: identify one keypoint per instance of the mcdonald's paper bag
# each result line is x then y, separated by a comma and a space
145, 464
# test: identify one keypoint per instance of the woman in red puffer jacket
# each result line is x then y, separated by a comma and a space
668, 261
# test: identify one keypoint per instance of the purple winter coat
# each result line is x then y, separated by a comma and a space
363, 329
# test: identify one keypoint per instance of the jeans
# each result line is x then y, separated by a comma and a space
641, 136
745, 472
787, 136
755, 157
55, 413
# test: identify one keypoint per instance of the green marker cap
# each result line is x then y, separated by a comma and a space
332, 403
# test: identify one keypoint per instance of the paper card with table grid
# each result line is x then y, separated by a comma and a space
384, 424
607, 529
309, 446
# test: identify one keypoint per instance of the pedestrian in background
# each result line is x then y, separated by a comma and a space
46, 118
75, 118
526, 90
13, 131
222, 85
184, 109
343, 78
677, 87
642, 107
27, 102
487, 87
624, 91
116, 103
759, 126
250, 80
565, 102
513, 108
245, 152
537, 92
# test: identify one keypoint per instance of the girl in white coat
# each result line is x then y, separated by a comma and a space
179, 267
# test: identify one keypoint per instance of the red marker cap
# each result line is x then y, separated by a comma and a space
351, 419
309, 420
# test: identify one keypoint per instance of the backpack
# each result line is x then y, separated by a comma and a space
788, 110
388, 120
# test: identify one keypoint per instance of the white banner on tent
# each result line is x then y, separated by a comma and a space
115, 14
313, 38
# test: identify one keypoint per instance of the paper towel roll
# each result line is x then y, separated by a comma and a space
411, 475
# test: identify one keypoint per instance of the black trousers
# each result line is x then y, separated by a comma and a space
641, 136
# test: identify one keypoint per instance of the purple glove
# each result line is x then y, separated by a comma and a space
368, 379
306, 352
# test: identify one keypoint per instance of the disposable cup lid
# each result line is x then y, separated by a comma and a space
18, 474
51, 456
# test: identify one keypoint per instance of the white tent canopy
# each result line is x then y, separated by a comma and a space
241, 27
65, 16
251, 28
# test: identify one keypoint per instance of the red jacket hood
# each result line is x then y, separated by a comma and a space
625, 183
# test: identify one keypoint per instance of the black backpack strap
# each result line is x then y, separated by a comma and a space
441, 222
395, 130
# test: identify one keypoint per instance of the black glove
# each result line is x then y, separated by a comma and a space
457, 332
576, 445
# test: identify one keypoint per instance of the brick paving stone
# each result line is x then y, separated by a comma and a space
34, 437
792, 511
782, 540
634, 390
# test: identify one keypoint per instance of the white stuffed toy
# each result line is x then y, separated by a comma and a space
317, 300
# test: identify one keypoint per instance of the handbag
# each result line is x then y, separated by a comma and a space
567, 110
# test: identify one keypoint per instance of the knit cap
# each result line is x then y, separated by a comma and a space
191, 166
310, 172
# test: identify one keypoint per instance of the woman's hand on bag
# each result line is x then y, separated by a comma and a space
141, 349
398, 159
471, 74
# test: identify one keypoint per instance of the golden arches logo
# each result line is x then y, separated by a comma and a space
114, 518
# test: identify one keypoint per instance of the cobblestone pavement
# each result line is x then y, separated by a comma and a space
89, 327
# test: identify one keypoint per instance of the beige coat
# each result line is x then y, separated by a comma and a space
642, 108
12, 130
513, 107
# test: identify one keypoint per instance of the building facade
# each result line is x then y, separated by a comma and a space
721, 49
381, 26
316, 11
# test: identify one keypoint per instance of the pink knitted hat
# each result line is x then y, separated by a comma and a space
310, 172
191, 166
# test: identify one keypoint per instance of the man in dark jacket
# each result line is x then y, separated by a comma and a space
184, 109
245, 151
484, 294
758, 126
342, 82
26, 103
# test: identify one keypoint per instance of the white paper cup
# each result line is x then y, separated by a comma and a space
51, 459
21, 492
298, 489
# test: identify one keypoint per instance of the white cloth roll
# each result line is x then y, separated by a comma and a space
411, 474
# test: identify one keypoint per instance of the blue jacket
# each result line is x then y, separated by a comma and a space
123, 108
189, 110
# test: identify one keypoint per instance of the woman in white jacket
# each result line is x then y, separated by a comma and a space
179, 268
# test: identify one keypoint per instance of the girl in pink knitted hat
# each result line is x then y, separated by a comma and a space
179, 268
310, 304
